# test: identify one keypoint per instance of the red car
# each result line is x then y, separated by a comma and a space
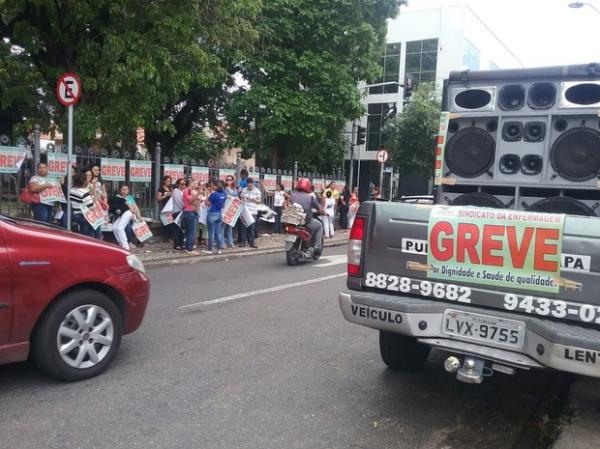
65, 299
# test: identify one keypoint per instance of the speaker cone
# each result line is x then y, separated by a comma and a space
534, 131
541, 96
511, 97
470, 152
473, 99
479, 199
531, 164
575, 155
512, 131
562, 205
509, 164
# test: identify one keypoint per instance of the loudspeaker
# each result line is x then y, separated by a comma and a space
523, 129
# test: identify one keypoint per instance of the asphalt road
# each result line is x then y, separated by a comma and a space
277, 369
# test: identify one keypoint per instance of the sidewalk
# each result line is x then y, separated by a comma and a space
162, 254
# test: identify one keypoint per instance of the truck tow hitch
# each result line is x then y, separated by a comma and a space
471, 371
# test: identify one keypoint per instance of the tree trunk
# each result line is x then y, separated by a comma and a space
277, 155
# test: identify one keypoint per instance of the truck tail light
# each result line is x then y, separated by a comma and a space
355, 246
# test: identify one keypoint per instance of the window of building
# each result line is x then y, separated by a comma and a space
390, 69
471, 56
421, 60
494, 66
378, 113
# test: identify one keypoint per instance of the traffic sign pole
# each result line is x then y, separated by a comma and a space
69, 170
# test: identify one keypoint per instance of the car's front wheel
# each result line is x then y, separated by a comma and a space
78, 336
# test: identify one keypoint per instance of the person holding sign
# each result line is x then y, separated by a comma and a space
38, 184
251, 198
214, 219
123, 207
191, 199
80, 196
278, 201
231, 192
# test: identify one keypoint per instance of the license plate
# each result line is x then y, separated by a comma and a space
290, 238
483, 328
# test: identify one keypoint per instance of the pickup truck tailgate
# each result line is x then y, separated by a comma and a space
394, 259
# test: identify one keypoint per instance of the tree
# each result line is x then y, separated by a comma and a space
138, 60
411, 135
303, 78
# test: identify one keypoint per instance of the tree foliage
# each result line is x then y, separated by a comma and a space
303, 77
411, 135
142, 63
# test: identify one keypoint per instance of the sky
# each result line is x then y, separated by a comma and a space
538, 32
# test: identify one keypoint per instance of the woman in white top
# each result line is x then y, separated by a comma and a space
328, 217
37, 184
278, 201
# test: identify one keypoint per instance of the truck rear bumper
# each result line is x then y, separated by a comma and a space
561, 346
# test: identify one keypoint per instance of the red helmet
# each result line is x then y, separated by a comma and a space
304, 184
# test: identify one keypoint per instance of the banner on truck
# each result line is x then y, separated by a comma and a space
11, 159
504, 248
140, 171
112, 169
57, 164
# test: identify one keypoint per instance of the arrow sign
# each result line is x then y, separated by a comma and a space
382, 156
68, 89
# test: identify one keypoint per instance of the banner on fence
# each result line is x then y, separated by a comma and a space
11, 159
340, 184
93, 215
287, 182
270, 182
231, 211
140, 171
53, 193
225, 172
141, 230
318, 184
112, 169
175, 171
200, 174
57, 164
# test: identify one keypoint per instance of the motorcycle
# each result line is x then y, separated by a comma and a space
297, 244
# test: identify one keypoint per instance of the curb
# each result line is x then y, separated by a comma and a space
188, 260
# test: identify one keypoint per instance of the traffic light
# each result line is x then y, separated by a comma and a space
361, 135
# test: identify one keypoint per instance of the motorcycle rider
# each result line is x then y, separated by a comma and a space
303, 196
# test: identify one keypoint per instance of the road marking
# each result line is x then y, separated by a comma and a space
329, 261
262, 291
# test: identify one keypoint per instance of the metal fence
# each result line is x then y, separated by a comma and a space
11, 184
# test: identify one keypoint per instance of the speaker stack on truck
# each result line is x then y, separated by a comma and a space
525, 139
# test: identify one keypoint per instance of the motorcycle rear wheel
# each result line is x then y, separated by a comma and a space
292, 258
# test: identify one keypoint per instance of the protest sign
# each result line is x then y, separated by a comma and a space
175, 171
57, 164
231, 211
93, 215
141, 230
202, 213
166, 214
112, 169
270, 182
200, 174
107, 225
53, 193
140, 171
505, 248
246, 217
287, 182
11, 159
225, 172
